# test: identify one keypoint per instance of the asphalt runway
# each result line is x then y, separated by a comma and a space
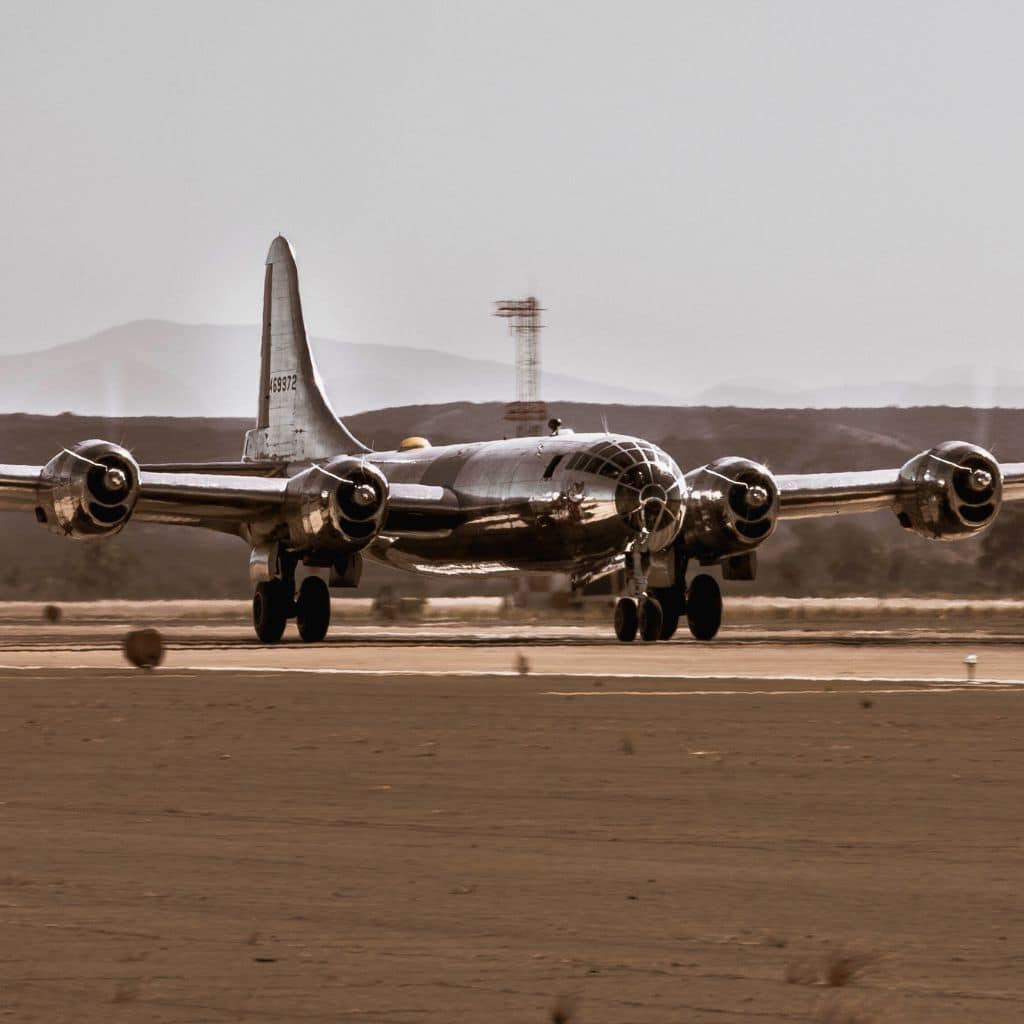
403, 825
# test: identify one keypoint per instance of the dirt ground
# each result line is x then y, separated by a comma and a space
283, 845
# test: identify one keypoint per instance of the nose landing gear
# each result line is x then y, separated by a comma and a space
627, 619
650, 619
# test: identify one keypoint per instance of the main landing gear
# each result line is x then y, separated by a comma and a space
655, 614
275, 602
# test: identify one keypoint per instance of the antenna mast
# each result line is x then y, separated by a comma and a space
527, 412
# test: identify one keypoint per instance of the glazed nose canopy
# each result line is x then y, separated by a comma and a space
648, 484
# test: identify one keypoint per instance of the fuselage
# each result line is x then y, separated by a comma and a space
565, 502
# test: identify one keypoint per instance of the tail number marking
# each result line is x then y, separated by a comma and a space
283, 382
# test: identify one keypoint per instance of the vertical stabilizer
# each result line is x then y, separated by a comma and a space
295, 422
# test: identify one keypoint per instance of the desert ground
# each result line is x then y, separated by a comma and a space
440, 822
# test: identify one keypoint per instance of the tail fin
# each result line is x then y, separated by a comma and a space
295, 422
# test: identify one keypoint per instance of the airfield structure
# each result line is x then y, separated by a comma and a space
527, 412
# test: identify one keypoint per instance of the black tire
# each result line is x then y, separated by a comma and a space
270, 606
650, 619
673, 604
704, 607
627, 619
313, 609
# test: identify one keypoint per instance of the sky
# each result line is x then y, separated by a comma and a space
823, 193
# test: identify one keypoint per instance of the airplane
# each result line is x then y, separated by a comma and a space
305, 491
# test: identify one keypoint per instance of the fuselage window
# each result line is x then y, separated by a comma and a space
552, 466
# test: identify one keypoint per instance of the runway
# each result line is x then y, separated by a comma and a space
825, 657
403, 825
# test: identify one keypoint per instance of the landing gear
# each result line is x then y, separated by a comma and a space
644, 618
650, 619
642, 612
271, 607
275, 600
655, 614
313, 609
704, 607
627, 619
673, 604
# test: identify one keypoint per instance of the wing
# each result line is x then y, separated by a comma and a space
961, 480
809, 495
231, 502
66, 496
96, 487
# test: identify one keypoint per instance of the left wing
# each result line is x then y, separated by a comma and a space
951, 490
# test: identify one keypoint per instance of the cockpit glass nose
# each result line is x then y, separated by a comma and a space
618, 459
649, 490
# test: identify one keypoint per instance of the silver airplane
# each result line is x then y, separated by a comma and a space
306, 491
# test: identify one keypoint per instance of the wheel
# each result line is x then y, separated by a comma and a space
704, 607
673, 603
313, 609
650, 619
626, 619
270, 606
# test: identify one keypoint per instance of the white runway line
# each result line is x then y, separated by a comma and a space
379, 673
961, 688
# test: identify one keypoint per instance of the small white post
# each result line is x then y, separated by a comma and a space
971, 661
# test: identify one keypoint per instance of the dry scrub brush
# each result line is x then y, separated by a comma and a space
838, 968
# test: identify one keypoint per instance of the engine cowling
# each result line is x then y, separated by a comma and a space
339, 506
952, 491
88, 490
733, 505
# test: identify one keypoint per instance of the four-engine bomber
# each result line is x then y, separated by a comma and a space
307, 493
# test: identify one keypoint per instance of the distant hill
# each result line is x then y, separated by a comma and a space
160, 368
979, 386
788, 440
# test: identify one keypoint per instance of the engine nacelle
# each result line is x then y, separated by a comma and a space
339, 506
89, 490
733, 505
952, 491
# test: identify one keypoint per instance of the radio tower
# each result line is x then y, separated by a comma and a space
527, 412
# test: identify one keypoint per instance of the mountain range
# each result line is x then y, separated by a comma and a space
161, 368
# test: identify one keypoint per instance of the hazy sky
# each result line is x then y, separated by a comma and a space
827, 191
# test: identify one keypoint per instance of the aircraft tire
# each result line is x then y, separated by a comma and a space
672, 601
270, 606
650, 619
704, 607
313, 609
627, 619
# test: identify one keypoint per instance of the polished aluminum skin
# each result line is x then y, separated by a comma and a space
307, 490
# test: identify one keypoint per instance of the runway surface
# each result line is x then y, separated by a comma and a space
402, 825
826, 656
